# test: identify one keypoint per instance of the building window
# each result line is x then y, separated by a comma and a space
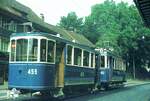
33, 44
4, 44
86, 58
43, 50
21, 50
50, 51
69, 54
77, 56
12, 26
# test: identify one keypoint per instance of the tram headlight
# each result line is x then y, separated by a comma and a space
102, 72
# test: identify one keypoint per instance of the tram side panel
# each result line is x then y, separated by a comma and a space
78, 75
79, 70
119, 74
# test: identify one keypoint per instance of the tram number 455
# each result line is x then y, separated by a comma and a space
32, 71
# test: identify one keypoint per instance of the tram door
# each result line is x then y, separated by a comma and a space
60, 64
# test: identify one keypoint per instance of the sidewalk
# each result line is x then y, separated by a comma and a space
131, 82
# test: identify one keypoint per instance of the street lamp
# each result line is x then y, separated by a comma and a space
134, 74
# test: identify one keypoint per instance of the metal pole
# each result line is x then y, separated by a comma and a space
133, 68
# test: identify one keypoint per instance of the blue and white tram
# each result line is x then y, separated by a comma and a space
112, 69
41, 61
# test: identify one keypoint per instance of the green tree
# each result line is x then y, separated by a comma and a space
120, 27
71, 22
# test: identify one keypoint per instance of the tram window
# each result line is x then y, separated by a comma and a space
77, 56
110, 62
92, 61
21, 50
113, 63
102, 62
33, 44
86, 58
13, 47
50, 51
43, 50
69, 54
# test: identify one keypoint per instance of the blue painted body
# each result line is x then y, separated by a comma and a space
105, 75
109, 75
118, 75
21, 77
75, 75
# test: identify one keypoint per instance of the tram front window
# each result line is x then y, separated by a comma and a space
77, 56
102, 62
69, 54
21, 50
43, 50
50, 51
33, 44
92, 60
13, 47
86, 58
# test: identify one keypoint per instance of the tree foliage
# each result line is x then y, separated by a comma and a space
118, 26
71, 22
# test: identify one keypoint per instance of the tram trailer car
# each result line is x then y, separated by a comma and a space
46, 62
112, 69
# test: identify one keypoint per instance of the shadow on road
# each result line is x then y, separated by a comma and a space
101, 94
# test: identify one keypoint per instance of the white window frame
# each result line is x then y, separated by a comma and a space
82, 54
38, 54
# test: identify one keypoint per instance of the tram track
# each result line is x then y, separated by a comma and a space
74, 95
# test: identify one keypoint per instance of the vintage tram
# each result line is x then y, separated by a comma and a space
112, 69
46, 62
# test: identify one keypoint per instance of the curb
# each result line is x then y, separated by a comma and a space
135, 84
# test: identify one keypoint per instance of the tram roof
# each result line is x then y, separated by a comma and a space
50, 36
24, 13
144, 9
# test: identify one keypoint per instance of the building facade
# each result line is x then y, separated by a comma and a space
12, 19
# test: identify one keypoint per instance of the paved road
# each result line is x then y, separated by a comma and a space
134, 93
129, 93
